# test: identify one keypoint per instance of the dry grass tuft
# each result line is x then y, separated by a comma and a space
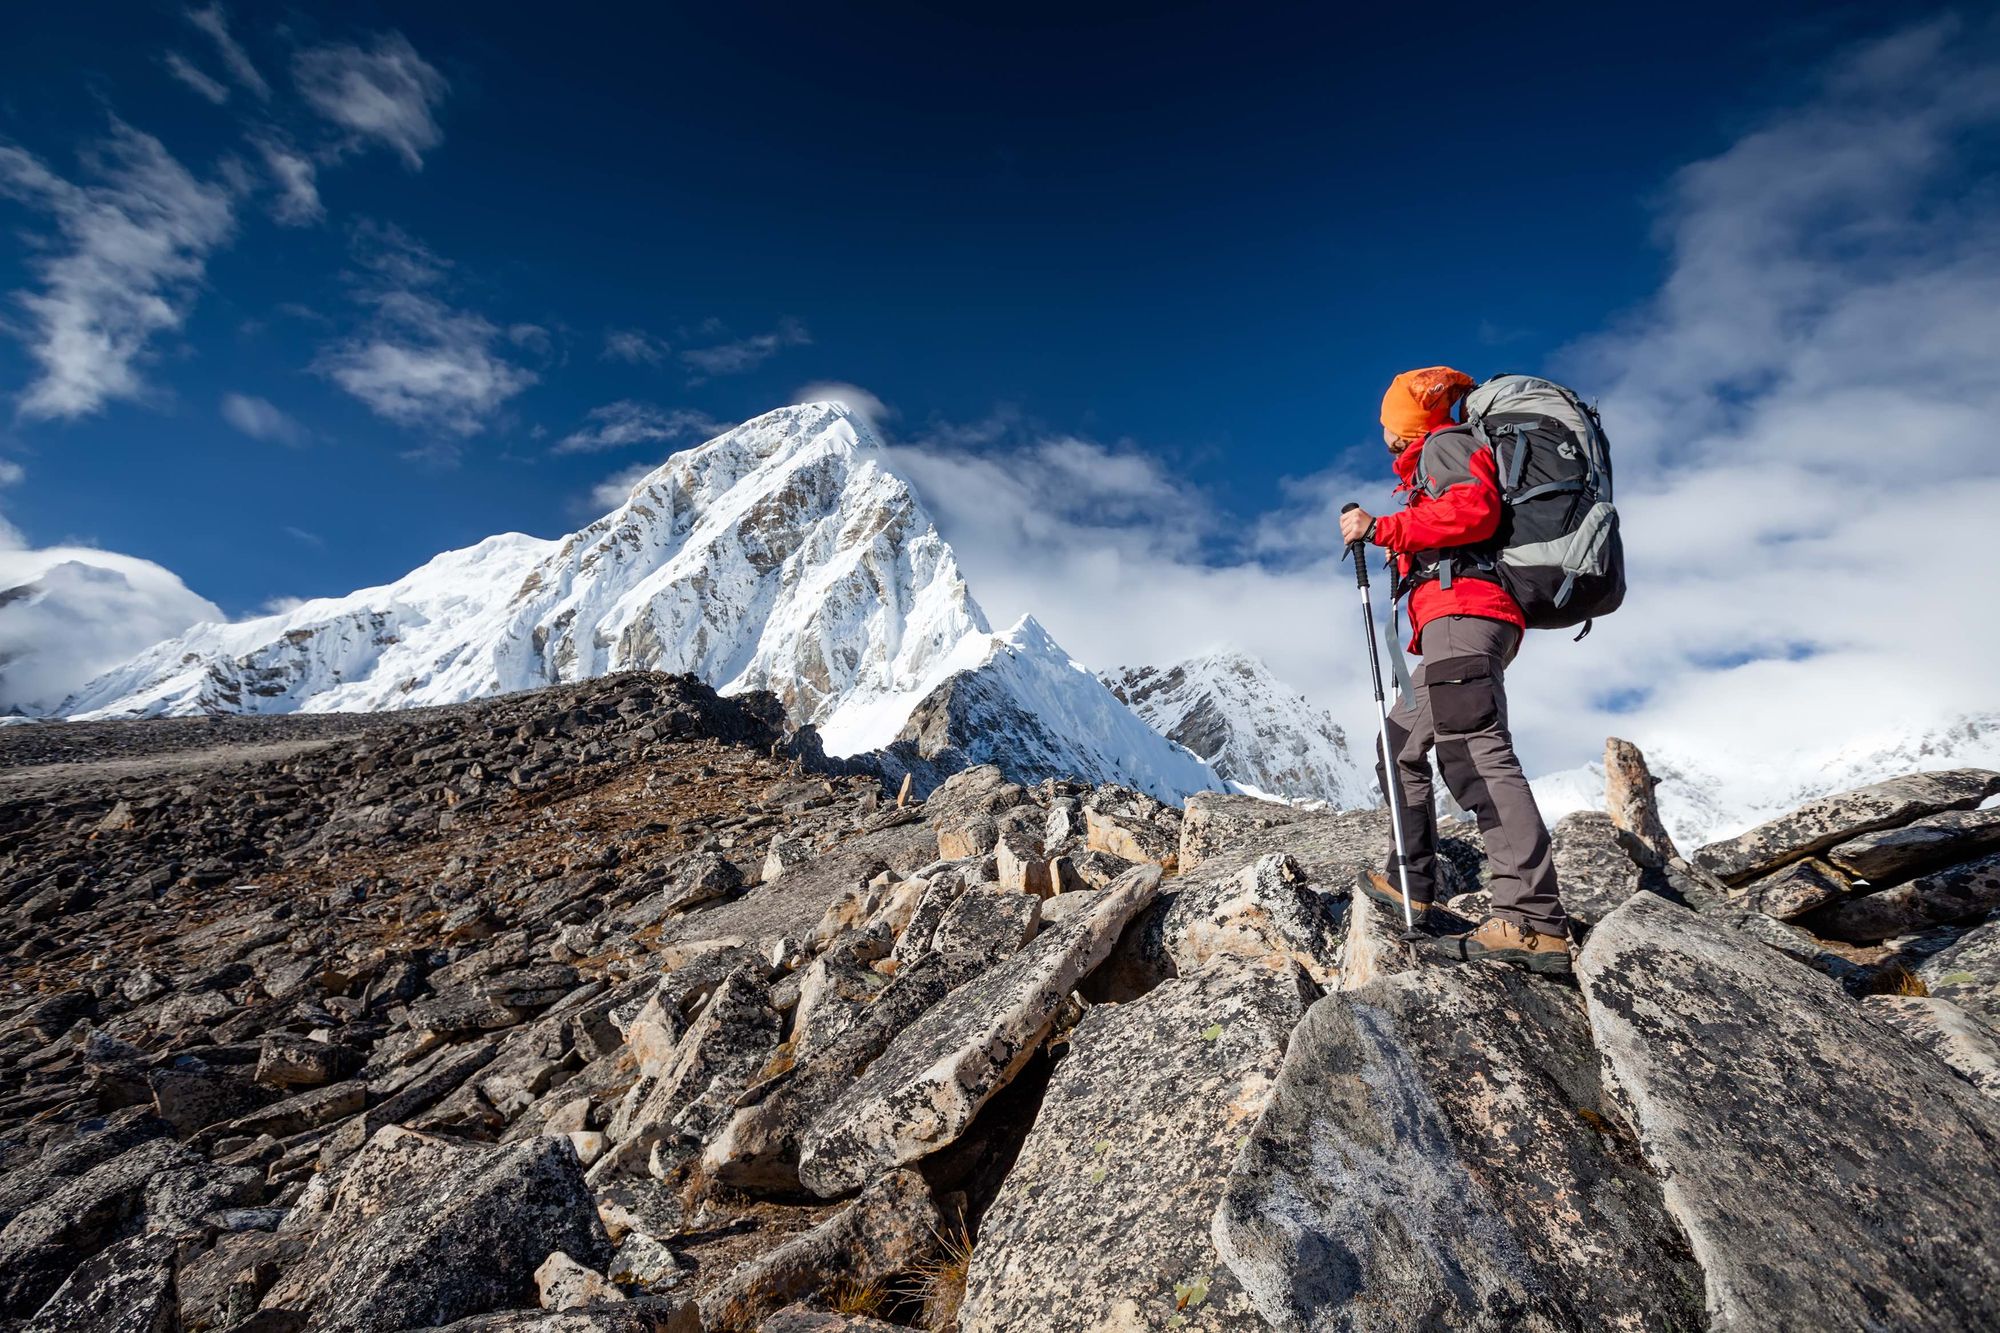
862, 1298
940, 1280
1899, 980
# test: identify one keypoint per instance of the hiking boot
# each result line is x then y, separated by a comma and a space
1378, 887
1501, 941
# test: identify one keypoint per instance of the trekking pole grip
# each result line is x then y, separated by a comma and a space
1359, 552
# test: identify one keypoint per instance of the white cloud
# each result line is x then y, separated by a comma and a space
278, 606
178, 66
616, 425
426, 365
260, 420
851, 396
608, 494
1802, 424
132, 251
635, 347
386, 93
743, 354
11, 473
297, 178
68, 613
215, 23
312, 539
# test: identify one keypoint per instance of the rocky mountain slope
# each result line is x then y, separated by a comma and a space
598, 1010
1251, 728
784, 555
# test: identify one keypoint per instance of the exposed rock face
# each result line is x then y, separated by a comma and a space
1437, 1154
1968, 973
1948, 1032
1786, 1122
1961, 893
923, 1091
1593, 868
1104, 1220
1795, 890
1832, 820
1269, 910
1887, 855
424, 1231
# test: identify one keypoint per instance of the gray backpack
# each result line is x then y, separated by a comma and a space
1558, 552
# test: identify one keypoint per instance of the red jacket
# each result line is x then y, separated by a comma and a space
1454, 504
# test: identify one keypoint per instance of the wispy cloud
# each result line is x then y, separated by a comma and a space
213, 21
300, 535
386, 93
132, 249
261, 420
426, 365
742, 354
617, 425
635, 347
297, 203
11, 473
851, 396
614, 489
179, 66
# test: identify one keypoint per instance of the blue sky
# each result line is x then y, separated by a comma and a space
292, 300
1206, 231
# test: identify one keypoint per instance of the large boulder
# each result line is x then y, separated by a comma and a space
1961, 893
1213, 820
1794, 890
1438, 1154
1967, 973
1267, 910
885, 1233
1595, 871
425, 1230
76, 1218
125, 1288
1816, 1159
1887, 855
923, 1091
759, 1147
1831, 820
1106, 1211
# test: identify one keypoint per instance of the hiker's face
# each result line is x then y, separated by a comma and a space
1395, 442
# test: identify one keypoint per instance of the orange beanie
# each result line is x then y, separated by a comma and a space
1419, 401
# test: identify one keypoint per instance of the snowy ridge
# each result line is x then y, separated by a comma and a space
1704, 800
782, 555
1253, 730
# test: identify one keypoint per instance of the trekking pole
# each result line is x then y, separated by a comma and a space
1358, 552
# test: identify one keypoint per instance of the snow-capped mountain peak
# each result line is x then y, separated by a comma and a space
1251, 728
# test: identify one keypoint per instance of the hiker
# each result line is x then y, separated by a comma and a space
1467, 628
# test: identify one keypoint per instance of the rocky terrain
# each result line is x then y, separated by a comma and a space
615, 1007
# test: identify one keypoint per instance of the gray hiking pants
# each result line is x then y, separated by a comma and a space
1460, 707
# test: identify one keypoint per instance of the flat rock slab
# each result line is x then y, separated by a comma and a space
1831, 820
1961, 893
1887, 855
1105, 1215
1438, 1155
1968, 973
1815, 1158
1955, 1037
923, 1091
1795, 890
426, 1230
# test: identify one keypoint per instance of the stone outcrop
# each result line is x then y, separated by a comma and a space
1892, 854
1438, 1154
1826, 823
1968, 973
1104, 1219
1955, 1037
923, 1091
1593, 867
1785, 1121
1960, 893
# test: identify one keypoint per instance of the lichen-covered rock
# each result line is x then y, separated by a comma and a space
1794, 890
1021, 864
1267, 910
1948, 1032
193, 1099
1887, 855
759, 1147
1967, 972
886, 1231
990, 922
806, 1319
76, 1218
423, 1231
125, 1288
1593, 868
702, 878
1110, 1200
1130, 839
1831, 820
289, 1061
561, 1283
1792, 1129
924, 1090
1212, 820
1961, 893
1437, 1154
